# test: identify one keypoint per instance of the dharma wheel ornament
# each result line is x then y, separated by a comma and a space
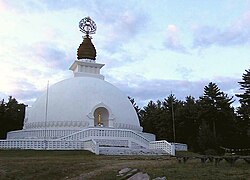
87, 26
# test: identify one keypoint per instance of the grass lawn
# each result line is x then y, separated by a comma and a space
30, 164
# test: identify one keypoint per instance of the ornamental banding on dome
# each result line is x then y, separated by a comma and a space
86, 49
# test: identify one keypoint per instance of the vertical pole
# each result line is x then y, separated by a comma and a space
173, 116
46, 116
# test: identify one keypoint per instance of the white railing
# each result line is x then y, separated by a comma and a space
92, 146
41, 144
180, 146
163, 145
84, 139
105, 133
39, 134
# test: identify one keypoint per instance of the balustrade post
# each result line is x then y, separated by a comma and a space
173, 150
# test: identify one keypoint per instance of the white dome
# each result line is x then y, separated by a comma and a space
82, 102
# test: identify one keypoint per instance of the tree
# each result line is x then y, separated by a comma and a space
188, 127
171, 107
244, 109
137, 109
206, 140
216, 114
11, 116
160, 122
149, 115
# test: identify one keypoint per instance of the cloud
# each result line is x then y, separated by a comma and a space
172, 41
3, 96
22, 90
34, 6
51, 56
238, 33
26, 72
120, 28
121, 24
3, 6
23, 6
27, 87
184, 71
25, 90
144, 90
31, 6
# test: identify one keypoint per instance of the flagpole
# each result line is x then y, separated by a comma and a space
172, 105
46, 115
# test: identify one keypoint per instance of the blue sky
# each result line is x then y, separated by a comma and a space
149, 48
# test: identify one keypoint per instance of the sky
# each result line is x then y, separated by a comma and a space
149, 48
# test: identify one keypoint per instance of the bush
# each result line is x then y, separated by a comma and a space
210, 152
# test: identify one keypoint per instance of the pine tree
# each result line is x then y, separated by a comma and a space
149, 117
216, 114
188, 126
136, 107
244, 109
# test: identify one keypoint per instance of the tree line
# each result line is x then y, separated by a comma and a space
207, 124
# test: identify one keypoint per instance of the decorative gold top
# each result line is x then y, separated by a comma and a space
86, 49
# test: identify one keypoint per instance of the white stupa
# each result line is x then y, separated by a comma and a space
85, 112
